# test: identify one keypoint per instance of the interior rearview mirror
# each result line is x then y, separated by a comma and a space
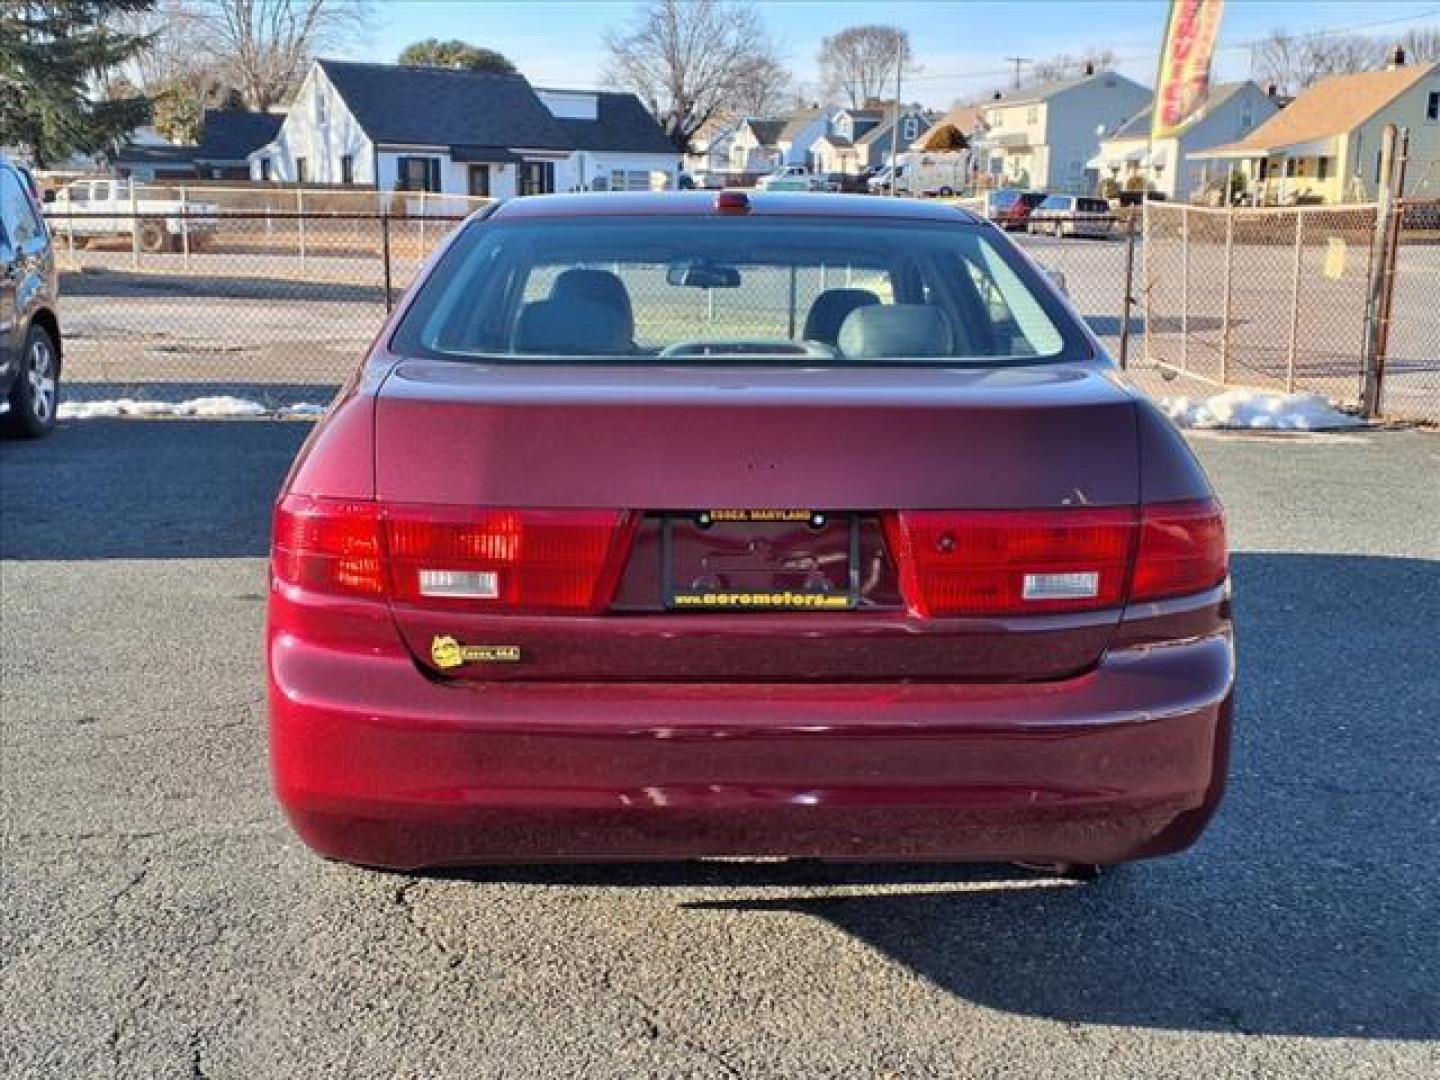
695, 274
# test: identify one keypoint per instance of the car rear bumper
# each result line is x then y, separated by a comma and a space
375, 763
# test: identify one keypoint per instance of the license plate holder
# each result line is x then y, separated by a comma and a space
760, 560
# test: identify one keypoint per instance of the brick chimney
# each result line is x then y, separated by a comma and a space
1397, 57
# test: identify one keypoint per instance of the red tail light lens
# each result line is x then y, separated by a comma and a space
988, 562
476, 560
518, 560
329, 545
998, 562
1182, 550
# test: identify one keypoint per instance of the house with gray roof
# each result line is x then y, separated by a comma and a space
459, 132
1131, 163
1045, 135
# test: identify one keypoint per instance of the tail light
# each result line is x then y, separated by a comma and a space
1002, 562
992, 562
1182, 550
510, 560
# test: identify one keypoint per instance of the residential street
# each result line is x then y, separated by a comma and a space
162, 921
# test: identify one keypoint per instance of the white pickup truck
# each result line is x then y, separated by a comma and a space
788, 178
156, 222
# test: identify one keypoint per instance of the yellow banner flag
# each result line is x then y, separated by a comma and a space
1184, 81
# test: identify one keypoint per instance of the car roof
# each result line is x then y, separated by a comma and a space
702, 204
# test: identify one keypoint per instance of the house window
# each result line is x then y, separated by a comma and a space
1432, 106
302, 171
265, 168
418, 174
1291, 165
478, 180
911, 129
347, 169
537, 177
320, 112
1322, 168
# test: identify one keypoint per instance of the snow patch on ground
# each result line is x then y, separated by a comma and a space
1259, 410
201, 406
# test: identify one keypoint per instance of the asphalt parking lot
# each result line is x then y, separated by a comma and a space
161, 921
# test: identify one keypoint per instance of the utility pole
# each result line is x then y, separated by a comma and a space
895, 122
1017, 61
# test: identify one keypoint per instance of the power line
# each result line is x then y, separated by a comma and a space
1327, 31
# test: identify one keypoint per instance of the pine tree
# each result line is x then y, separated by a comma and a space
53, 54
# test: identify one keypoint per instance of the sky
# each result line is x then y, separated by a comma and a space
959, 46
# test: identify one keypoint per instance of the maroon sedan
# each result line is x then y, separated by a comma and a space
696, 525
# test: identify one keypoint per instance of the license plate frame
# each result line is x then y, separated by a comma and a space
831, 535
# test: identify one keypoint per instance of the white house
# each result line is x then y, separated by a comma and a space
755, 146
1129, 160
1046, 136
802, 129
710, 146
462, 133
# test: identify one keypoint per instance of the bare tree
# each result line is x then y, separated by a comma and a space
180, 78
763, 88
690, 59
859, 62
1295, 62
264, 46
1421, 44
1066, 66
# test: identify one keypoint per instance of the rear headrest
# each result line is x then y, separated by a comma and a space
597, 286
895, 331
830, 309
571, 328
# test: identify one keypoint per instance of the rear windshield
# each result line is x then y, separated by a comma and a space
1004, 198
797, 291
1056, 202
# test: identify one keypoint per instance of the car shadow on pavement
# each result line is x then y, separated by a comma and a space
1308, 908
145, 489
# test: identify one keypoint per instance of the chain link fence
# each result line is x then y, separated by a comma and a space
170, 293
271, 295
1285, 299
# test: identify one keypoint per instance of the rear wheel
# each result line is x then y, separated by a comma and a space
152, 237
35, 397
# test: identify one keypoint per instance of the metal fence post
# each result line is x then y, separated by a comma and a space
300, 225
1128, 300
1229, 275
385, 257
1146, 238
184, 229
134, 228
1295, 303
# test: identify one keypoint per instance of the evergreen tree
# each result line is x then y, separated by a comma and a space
54, 56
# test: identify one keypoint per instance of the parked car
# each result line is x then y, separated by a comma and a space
158, 221
29, 323
879, 181
788, 178
614, 549
1072, 215
1010, 207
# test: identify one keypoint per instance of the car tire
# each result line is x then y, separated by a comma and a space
153, 239
35, 396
